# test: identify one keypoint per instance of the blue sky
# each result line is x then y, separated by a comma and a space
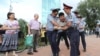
22, 8
27, 8
3, 2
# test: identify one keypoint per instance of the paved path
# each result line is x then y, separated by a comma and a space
93, 49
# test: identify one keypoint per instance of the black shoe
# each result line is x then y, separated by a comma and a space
0, 44
30, 53
58, 49
84, 50
68, 48
35, 51
78, 53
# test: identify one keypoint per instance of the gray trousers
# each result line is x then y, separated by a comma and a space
35, 40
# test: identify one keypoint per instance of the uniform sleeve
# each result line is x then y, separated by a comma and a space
50, 18
58, 21
74, 18
84, 23
70, 18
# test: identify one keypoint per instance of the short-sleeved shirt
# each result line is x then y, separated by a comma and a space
61, 24
72, 18
12, 24
81, 24
50, 26
34, 24
97, 29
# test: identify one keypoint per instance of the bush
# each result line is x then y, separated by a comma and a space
22, 33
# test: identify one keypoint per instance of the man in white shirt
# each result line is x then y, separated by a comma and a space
62, 33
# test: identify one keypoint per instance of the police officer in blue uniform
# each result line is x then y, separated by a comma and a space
51, 32
81, 27
73, 32
81, 32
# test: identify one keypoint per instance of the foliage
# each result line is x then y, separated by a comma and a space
23, 27
23, 32
90, 9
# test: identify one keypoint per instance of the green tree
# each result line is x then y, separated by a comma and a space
22, 34
23, 27
90, 9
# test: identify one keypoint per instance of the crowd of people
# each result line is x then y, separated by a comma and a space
70, 28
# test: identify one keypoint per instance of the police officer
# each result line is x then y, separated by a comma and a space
73, 33
76, 13
81, 31
51, 32
81, 26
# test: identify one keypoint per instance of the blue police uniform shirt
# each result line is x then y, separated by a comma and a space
72, 18
81, 24
50, 26
97, 29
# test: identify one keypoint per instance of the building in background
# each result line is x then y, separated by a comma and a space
47, 5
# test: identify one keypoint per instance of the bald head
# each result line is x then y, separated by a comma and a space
36, 16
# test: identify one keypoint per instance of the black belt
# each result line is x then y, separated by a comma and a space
72, 28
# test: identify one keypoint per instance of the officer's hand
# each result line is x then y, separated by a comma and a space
56, 27
69, 24
64, 28
59, 28
1, 28
81, 27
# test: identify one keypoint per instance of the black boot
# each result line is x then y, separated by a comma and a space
35, 50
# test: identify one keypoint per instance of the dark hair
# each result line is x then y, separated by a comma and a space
15, 18
61, 14
9, 13
54, 11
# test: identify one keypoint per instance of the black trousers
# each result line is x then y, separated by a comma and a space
52, 37
97, 34
82, 35
73, 35
44, 39
64, 36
